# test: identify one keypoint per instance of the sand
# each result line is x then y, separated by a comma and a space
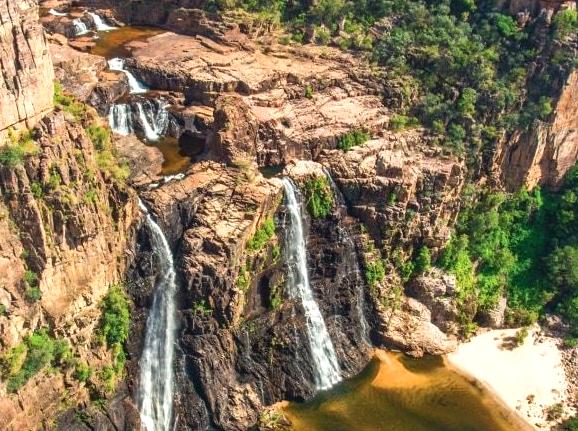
529, 378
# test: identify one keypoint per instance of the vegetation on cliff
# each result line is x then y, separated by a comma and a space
38, 351
319, 197
524, 246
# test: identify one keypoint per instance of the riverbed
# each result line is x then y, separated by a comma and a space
398, 393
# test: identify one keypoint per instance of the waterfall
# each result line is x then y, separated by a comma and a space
80, 27
99, 23
120, 119
56, 13
326, 367
154, 122
352, 261
155, 390
134, 84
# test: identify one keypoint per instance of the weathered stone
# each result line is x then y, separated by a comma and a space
25, 66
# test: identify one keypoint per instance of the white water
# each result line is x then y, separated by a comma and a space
154, 124
56, 13
155, 391
327, 372
120, 119
352, 261
99, 23
80, 27
136, 87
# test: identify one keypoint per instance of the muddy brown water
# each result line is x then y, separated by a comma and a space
398, 393
175, 158
114, 43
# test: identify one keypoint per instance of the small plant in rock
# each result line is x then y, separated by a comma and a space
374, 272
423, 261
309, 91
200, 308
319, 197
17, 149
262, 236
82, 372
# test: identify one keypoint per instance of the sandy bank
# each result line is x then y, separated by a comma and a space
530, 378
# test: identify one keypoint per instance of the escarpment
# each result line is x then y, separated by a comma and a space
241, 113
68, 226
26, 66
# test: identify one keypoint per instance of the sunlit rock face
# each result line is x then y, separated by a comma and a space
26, 86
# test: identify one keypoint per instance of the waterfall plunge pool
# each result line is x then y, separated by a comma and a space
399, 393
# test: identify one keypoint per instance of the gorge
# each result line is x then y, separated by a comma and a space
226, 215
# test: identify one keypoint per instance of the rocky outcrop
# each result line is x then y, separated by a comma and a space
404, 196
25, 65
544, 154
69, 223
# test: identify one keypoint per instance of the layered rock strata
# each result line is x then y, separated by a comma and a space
25, 65
68, 223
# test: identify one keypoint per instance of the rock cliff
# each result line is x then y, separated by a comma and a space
67, 225
25, 64
544, 154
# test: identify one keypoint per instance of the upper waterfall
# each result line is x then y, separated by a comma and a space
134, 84
155, 392
327, 372
99, 23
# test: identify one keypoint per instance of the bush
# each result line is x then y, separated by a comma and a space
17, 149
115, 318
423, 261
24, 361
319, 197
68, 103
262, 236
374, 272
352, 139
99, 136
82, 372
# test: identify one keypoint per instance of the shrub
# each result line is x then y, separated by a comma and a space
68, 103
319, 197
82, 372
571, 424
115, 318
17, 149
423, 261
374, 272
243, 279
352, 139
262, 236
25, 360
200, 308
565, 22
99, 136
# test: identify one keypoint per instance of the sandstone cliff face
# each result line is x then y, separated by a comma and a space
25, 65
70, 224
544, 154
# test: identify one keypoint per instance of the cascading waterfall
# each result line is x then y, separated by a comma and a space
120, 119
136, 87
99, 23
352, 261
154, 122
80, 27
327, 372
56, 13
155, 391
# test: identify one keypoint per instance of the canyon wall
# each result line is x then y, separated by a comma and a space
26, 67
543, 154
66, 226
